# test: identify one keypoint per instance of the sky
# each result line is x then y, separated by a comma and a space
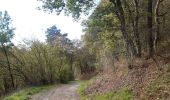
31, 23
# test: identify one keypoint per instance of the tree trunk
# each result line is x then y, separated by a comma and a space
51, 74
150, 26
9, 66
6, 85
136, 31
157, 22
121, 16
71, 63
134, 18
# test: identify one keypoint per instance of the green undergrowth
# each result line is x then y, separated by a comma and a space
160, 88
26, 93
81, 89
121, 94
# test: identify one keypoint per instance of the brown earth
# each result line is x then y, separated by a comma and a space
138, 78
64, 92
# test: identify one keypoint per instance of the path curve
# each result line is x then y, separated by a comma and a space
64, 92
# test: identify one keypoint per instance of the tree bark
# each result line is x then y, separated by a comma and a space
157, 22
134, 18
9, 66
136, 31
150, 30
121, 16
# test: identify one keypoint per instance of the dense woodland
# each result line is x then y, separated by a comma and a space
116, 29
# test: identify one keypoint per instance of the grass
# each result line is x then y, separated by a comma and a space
122, 94
26, 93
81, 89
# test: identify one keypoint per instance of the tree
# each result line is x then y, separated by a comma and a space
131, 15
150, 27
102, 35
75, 7
6, 34
56, 38
52, 33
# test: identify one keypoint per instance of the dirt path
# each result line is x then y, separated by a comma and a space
64, 92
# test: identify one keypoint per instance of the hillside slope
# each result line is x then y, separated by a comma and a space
148, 80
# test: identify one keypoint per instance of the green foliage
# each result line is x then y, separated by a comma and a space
37, 63
115, 28
52, 33
85, 61
65, 76
75, 7
102, 38
6, 30
25, 94
6, 34
81, 89
122, 94
44, 64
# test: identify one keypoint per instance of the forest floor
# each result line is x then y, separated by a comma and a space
64, 92
149, 79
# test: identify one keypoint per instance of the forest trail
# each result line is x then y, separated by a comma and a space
64, 92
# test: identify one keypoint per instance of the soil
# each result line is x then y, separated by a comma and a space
64, 92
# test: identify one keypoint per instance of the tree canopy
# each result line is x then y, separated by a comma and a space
75, 7
6, 29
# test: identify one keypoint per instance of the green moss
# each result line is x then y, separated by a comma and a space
25, 94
